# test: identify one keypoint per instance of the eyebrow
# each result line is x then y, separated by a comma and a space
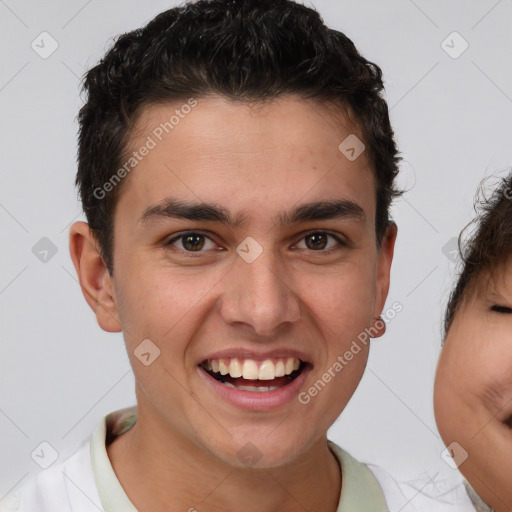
318, 210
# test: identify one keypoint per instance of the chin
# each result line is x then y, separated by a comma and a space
258, 451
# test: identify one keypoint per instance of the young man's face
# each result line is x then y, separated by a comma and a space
269, 288
473, 391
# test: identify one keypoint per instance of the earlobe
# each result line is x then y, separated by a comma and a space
94, 278
378, 328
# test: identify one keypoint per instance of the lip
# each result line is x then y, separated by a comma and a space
257, 356
257, 401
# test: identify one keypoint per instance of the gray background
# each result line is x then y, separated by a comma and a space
60, 373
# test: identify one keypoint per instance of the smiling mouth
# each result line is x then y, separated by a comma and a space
252, 375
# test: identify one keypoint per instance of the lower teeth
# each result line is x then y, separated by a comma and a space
251, 388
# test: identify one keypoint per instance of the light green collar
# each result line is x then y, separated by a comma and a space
112, 495
479, 504
360, 490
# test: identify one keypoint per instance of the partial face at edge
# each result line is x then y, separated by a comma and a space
473, 391
316, 285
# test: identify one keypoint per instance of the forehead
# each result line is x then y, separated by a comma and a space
238, 155
492, 284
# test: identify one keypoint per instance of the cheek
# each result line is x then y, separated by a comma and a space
341, 309
345, 299
477, 367
159, 301
457, 382
473, 381
495, 384
167, 304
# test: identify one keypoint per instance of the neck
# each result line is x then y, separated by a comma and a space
161, 472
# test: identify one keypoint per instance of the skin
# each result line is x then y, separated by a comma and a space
182, 452
473, 388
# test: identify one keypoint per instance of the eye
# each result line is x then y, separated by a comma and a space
192, 241
319, 239
501, 309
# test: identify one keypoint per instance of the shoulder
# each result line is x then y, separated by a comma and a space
68, 486
423, 494
71, 486
427, 494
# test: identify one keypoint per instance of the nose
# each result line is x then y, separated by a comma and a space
259, 295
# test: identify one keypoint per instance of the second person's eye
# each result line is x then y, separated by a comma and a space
501, 309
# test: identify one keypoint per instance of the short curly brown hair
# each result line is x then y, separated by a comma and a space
488, 247
251, 50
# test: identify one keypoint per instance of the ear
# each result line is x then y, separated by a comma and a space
94, 278
384, 259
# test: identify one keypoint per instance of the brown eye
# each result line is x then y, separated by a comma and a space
190, 242
501, 309
318, 241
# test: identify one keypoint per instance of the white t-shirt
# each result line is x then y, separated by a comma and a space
86, 482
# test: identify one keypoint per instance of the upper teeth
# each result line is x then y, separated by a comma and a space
251, 369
